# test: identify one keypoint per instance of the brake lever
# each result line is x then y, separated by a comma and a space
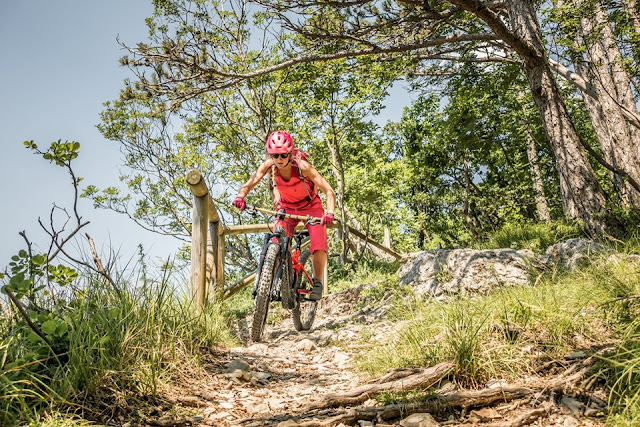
314, 221
251, 210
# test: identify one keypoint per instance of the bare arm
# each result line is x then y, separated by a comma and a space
255, 178
321, 183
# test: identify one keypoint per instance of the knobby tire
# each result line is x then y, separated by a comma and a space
263, 293
304, 313
286, 291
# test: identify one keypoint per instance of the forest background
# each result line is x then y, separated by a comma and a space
484, 144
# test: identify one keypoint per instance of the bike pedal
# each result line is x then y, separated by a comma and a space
304, 292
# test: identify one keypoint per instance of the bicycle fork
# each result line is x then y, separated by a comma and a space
284, 246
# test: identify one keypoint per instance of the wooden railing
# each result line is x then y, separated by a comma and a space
208, 237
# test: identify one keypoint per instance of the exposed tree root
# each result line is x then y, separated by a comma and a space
396, 374
425, 378
456, 399
527, 418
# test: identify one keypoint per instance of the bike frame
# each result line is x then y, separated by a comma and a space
287, 253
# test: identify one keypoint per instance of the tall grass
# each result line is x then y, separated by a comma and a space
536, 236
512, 331
116, 346
364, 271
507, 332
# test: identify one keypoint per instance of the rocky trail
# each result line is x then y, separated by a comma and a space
309, 379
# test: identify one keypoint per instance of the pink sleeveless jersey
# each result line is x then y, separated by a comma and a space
296, 192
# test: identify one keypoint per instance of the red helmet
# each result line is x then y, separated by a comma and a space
279, 142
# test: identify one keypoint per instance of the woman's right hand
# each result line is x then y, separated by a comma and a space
240, 203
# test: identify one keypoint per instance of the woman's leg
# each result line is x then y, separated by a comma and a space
319, 261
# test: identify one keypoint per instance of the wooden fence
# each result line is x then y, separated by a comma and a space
208, 236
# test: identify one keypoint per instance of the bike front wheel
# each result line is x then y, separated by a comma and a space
263, 291
304, 312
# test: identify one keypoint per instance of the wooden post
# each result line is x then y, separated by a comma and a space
210, 268
205, 229
199, 250
219, 257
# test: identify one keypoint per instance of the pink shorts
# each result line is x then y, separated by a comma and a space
317, 233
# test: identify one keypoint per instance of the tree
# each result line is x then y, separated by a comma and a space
418, 31
165, 131
598, 57
466, 164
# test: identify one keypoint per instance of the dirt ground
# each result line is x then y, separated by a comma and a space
309, 379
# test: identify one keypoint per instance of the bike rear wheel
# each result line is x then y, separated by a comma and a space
263, 292
304, 312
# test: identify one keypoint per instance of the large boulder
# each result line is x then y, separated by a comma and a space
571, 253
461, 271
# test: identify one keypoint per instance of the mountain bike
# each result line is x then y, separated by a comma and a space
283, 275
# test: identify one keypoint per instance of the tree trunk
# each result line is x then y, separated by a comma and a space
634, 13
466, 206
613, 87
581, 193
604, 135
542, 207
387, 238
338, 172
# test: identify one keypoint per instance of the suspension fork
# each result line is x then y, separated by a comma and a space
284, 248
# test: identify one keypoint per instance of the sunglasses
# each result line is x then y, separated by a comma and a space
280, 156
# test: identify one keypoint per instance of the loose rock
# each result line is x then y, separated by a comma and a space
306, 345
238, 364
419, 420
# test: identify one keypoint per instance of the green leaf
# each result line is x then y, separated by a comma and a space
22, 253
113, 313
34, 338
16, 280
49, 327
24, 285
61, 329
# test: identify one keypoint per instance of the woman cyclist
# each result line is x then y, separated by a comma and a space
296, 183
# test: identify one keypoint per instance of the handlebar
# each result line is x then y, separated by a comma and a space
307, 218
282, 215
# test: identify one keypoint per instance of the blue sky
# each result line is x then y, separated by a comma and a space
59, 65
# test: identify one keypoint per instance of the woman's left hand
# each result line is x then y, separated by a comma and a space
327, 219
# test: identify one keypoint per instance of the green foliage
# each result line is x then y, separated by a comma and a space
60, 153
462, 338
363, 271
466, 171
107, 345
622, 373
534, 236
70, 336
486, 335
